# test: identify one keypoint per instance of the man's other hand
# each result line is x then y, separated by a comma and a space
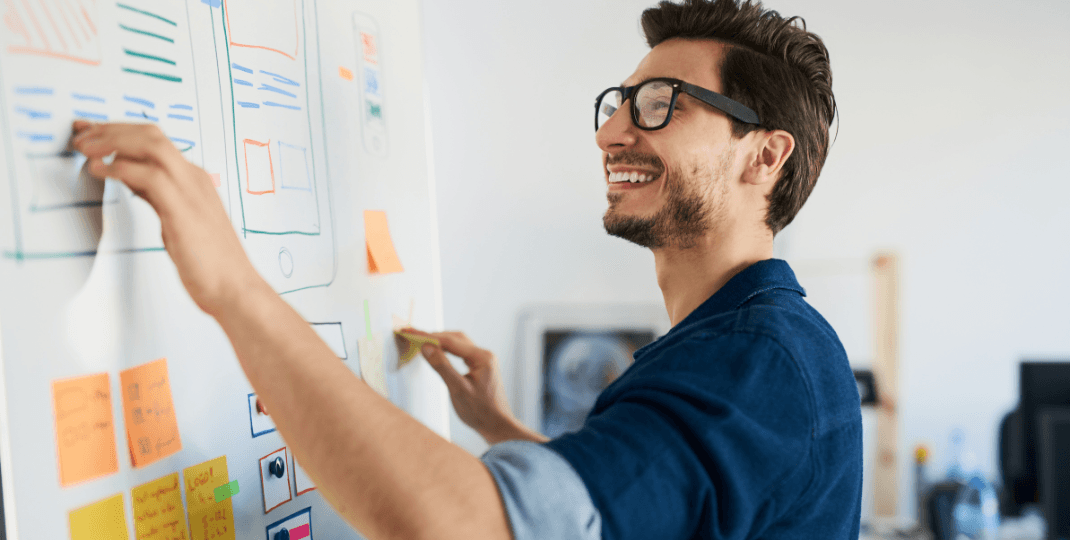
479, 395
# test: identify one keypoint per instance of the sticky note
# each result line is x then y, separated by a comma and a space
151, 428
208, 519
158, 510
297, 533
382, 259
409, 344
371, 363
85, 434
345, 73
226, 491
102, 520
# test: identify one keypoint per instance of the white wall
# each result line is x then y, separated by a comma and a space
953, 135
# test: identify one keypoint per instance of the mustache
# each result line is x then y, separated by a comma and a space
630, 157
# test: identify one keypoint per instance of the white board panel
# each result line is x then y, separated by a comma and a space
308, 112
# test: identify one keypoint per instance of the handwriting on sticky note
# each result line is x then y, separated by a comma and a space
382, 258
208, 519
371, 363
151, 428
102, 520
409, 344
158, 511
85, 434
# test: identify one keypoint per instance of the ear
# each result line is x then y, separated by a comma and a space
772, 149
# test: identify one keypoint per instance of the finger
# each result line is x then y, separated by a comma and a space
144, 179
140, 142
455, 382
459, 344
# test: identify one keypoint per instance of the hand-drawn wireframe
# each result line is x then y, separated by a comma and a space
279, 138
54, 69
369, 57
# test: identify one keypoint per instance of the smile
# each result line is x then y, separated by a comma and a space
630, 177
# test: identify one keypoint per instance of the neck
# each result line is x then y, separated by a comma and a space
688, 277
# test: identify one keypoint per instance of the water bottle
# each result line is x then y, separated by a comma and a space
975, 513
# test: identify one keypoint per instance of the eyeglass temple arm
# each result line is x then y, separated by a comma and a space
729, 106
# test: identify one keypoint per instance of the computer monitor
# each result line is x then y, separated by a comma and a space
1053, 453
1043, 385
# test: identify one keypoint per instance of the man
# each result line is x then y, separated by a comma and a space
742, 422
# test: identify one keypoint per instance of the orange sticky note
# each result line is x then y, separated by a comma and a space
85, 434
102, 520
208, 519
382, 259
158, 510
151, 428
345, 73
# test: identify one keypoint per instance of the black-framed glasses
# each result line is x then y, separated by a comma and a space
653, 102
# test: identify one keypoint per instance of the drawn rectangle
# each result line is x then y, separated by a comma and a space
59, 29
259, 171
59, 185
276, 490
293, 523
302, 483
263, 24
331, 333
259, 423
294, 169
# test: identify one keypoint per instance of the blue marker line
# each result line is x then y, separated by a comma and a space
273, 104
183, 141
180, 117
91, 115
241, 68
248, 105
140, 101
276, 90
181, 107
87, 97
36, 137
38, 90
280, 78
142, 116
34, 114
242, 83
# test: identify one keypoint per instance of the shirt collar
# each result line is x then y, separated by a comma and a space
760, 277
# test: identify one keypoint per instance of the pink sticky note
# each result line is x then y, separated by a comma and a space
297, 533
215, 179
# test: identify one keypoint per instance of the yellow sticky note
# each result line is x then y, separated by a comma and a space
151, 428
382, 259
208, 519
409, 344
102, 520
85, 434
371, 363
158, 510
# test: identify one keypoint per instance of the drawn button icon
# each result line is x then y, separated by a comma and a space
277, 467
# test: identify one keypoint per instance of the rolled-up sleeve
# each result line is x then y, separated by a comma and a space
543, 495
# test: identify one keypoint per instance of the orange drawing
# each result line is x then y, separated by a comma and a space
259, 24
345, 73
62, 29
263, 177
85, 434
151, 427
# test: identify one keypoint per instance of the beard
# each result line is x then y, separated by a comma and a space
694, 202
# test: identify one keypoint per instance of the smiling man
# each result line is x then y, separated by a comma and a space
742, 422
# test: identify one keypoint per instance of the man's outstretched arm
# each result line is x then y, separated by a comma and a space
385, 473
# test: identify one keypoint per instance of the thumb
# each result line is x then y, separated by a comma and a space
437, 359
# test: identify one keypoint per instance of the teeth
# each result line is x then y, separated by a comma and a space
630, 177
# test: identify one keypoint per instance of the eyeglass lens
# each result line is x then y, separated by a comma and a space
651, 103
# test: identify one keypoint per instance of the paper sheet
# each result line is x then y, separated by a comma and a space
158, 510
208, 519
85, 434
382, 258
371, 363
151, 428
102, 520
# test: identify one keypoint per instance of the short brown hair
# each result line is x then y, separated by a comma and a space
772, 65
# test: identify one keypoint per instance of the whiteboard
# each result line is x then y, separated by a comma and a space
309, 112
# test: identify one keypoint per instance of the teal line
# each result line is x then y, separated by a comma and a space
305, 288
149, 56
71, 254
171, 78
144, 33
272, 233
136, 10
323, 125
186, 149
233, 114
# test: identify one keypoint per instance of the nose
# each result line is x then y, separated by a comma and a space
618, 132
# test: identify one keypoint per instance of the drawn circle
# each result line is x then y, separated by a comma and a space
286, 262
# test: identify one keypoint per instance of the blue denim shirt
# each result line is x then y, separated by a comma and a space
743, 421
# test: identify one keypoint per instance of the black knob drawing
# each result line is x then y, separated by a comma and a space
282, 535
277, 468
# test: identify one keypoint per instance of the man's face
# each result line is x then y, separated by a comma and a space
691, 160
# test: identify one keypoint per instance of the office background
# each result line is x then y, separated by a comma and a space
951, 152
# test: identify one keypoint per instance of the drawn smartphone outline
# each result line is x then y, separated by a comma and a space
372, 94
